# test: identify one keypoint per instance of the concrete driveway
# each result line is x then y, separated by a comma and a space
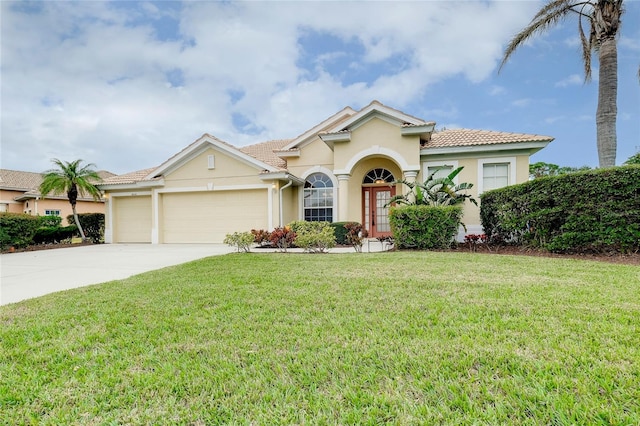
31, 274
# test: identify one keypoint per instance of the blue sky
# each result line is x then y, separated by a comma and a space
126, 85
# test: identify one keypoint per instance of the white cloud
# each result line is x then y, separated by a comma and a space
89, 79
572, 80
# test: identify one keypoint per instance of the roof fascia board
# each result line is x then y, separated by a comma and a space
282, 176
531, 147
418, 130
292, 153
307, 136
132, 185
381, 111
199, 147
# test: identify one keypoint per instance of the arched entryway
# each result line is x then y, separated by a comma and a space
378, 187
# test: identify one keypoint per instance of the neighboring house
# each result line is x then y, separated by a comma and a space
19, 194
343, 169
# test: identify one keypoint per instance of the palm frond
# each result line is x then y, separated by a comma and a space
552, 13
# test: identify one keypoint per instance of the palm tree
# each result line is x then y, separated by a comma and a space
603, 17
72, 179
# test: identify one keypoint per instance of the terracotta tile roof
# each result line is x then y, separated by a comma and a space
23, 181
469, 137
132, 177
30, 181
264, 152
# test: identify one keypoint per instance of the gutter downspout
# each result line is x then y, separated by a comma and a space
280, 198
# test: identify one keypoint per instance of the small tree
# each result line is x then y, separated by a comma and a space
634, 159
73, 179
435, 191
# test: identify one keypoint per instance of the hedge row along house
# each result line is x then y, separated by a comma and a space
342, 169
19, 193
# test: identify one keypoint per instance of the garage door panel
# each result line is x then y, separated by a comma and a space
206, 217
132, 219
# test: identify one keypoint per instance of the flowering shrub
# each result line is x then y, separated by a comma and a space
261, 237
241, 240
282, 238
355, 234
472, 240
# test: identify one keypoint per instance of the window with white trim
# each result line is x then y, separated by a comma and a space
318, 198
52, 212
442, 169
495, 175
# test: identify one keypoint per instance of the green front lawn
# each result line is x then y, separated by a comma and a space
399, 338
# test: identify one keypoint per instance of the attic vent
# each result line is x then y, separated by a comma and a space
211, 162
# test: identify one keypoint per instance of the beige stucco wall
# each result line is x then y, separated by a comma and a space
381, 133
315, 153
228, 171
471, 174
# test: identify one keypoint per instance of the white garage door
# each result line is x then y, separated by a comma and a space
132, 219
206, 217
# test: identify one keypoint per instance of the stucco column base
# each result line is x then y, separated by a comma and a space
343, 197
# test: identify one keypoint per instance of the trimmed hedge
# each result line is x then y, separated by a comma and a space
18, 229
425, 227
340, 232
591, 211
92, 225
54, 234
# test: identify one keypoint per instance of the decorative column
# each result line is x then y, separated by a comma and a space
343, 197
410, 177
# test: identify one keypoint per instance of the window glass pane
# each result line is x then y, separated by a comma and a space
442, 171
318, 198
495, 175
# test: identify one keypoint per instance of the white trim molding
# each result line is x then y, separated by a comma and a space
376, 150
448, 163
511, 161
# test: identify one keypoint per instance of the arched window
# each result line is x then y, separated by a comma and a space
318, 198
379, 176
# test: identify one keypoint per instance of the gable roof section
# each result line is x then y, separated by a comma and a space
199, 146
377, 109
409, 125
307, 136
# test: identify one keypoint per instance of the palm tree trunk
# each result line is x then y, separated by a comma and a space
75, 218
607, 102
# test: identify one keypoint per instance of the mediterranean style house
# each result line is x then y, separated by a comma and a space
342, 169
19, 194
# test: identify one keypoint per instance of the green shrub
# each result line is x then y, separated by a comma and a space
241, 240
314, 237
54, 234
596, 210
340, 232
424, 227
50, 221
18, 229
92, 224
